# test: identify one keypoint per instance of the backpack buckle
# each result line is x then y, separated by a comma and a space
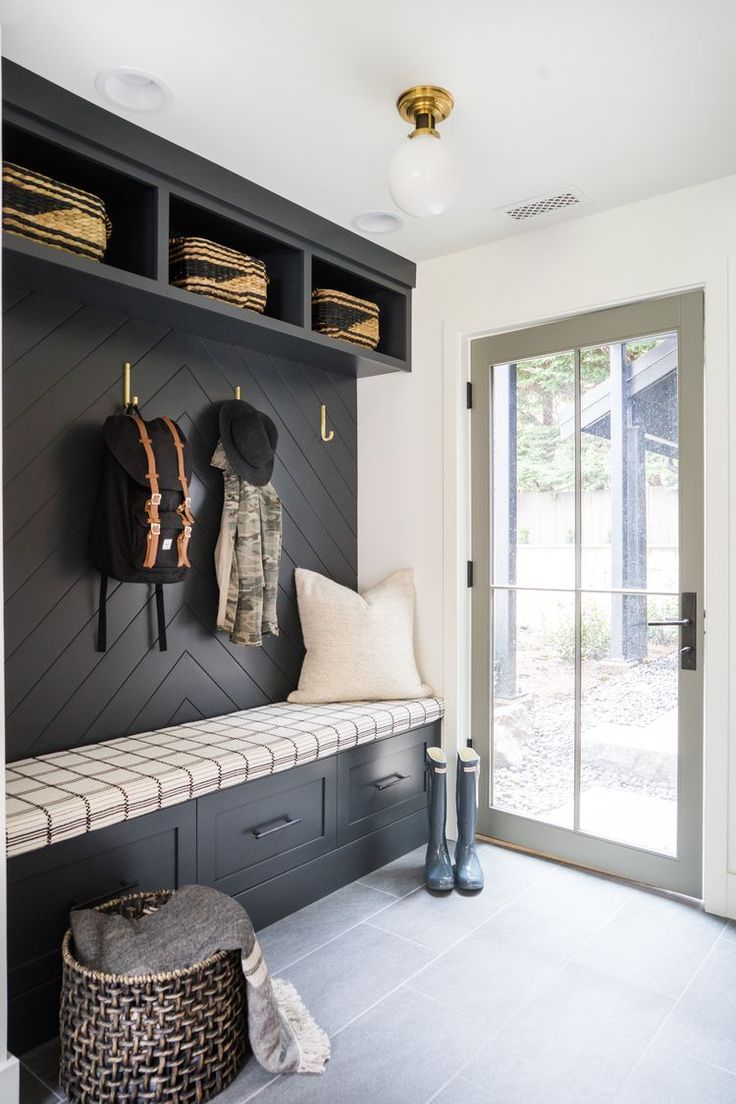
187, 530
188, 503
155, 529
155, 499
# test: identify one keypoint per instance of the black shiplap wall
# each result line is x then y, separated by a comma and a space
62, 367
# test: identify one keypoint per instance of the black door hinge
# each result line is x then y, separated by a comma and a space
470, 573
469, 394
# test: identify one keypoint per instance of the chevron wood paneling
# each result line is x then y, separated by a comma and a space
62, 365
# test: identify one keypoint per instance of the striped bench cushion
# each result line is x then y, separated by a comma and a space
67, 793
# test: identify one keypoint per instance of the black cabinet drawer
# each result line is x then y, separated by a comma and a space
157, 851
382, 782
260, 829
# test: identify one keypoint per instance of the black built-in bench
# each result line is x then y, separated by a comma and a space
276, 806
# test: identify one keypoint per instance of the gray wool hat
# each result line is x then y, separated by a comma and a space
249, 438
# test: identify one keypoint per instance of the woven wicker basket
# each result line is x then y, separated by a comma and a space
219, 272
44, 210
174, 1037
345, 316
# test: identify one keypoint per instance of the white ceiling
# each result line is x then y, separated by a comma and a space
620, 98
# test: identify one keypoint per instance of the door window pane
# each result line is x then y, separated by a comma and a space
534, 704
624, 694
534, 472
629, 465
629, 722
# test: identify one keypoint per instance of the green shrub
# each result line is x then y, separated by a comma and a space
595, 636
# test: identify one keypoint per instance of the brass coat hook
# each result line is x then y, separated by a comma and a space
126, 387
326, 436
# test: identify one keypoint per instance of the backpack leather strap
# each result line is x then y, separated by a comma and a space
102, 616
154, 518
161, 618
184, 510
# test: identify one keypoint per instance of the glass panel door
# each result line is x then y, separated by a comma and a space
587, 690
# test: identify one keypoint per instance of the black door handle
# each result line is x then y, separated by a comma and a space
278, 825
391, 780
689, 638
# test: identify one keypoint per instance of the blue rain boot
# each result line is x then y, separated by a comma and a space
468, 871
438, 868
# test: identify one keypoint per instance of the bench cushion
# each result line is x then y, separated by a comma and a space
67, 793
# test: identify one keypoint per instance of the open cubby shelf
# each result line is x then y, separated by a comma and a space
130, 203
146, 210
284, 263
391, 304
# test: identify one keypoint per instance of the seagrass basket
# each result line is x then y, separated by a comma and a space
345, 316
42, 209
206, 268
175, 1037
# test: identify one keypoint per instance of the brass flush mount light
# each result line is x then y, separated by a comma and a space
424, 106
423, 177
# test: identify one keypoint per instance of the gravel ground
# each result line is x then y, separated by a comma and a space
543, 781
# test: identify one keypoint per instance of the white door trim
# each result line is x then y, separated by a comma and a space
720, 538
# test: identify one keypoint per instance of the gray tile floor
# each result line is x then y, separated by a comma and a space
551, 986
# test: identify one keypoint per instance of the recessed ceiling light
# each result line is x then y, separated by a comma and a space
135, 89
378, 222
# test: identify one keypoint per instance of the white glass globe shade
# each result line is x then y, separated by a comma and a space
422, 177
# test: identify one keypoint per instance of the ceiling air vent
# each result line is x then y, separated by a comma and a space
545, 205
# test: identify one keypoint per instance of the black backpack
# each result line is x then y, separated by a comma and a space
143, 522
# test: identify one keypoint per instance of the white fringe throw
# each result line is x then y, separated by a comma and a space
313, 1042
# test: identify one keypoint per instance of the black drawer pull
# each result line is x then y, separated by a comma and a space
391, 780
276, 826
123, 888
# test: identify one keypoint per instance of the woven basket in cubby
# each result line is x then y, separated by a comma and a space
206, 268
177, 1037
45, 210
345, 316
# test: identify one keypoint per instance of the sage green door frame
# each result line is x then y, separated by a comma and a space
682, 314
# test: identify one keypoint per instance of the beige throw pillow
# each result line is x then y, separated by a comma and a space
360, 647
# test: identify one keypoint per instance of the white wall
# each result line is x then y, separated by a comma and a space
412, 444
400, 475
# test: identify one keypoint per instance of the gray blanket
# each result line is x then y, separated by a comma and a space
193, 924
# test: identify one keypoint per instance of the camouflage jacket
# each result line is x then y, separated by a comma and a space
247, 557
